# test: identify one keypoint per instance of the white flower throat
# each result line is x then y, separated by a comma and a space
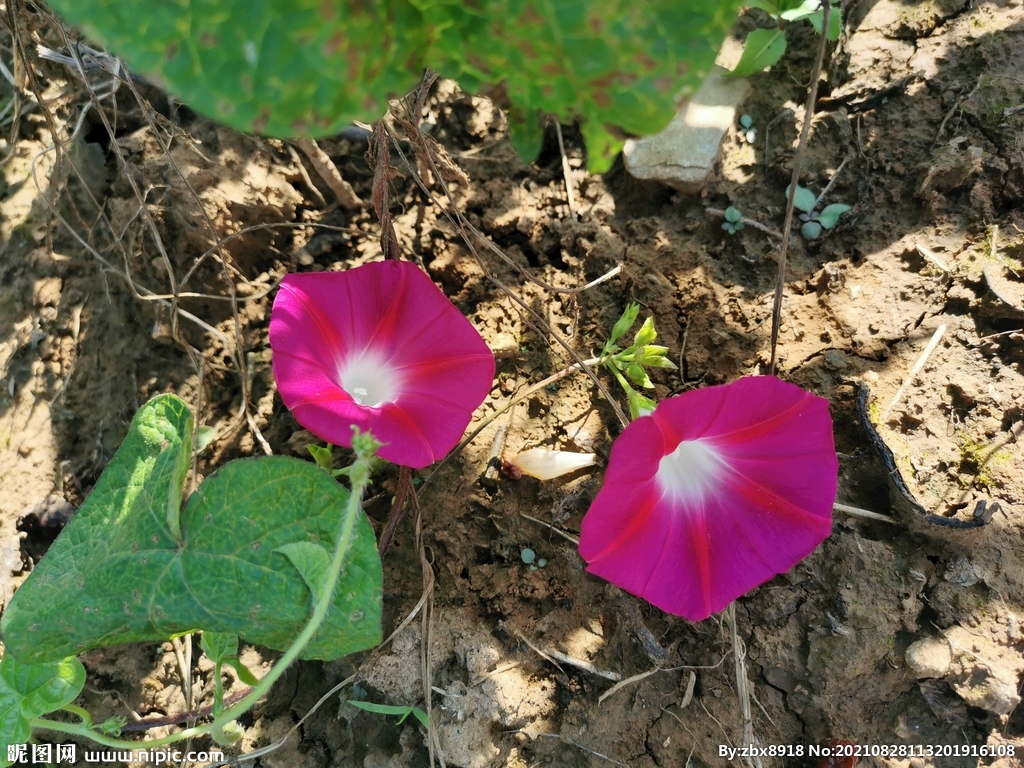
691, 471
369, 381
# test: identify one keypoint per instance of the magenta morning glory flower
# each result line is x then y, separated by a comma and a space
715, 492
379, 347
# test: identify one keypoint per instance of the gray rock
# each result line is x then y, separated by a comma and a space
684, 154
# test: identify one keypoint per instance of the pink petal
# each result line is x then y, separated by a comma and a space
751, 496
416, 367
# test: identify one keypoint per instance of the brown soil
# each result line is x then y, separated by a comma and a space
934, 171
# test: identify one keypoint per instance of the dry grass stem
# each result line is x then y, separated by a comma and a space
570, 198
936, 338
329, 172
739, 655
552, 528
867, 514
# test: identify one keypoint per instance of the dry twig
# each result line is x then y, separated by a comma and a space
329, 172
798, 161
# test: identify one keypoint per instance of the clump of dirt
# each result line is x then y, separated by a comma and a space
146, 258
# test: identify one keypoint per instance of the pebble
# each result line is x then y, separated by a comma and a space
930, 657
684, 154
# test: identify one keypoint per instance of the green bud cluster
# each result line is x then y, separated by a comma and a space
630, 364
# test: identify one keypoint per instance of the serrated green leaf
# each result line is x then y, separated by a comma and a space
312, 562
762, 49
804, 200
28, 691
830, 215
116, 574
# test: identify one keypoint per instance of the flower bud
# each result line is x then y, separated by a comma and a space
624, 323
646, 334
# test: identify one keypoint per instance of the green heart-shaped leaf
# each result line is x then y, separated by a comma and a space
762, 49
804, 199
118, 574
28, 691
830, 215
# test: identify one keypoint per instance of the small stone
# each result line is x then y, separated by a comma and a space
930, 657
983, 688
46, 292
835, 359
684, 154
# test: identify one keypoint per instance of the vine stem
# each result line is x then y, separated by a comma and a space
798, 162
359, 476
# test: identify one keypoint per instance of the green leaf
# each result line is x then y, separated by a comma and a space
805, 199
763, 48
602, 147
220, 646
830, 215
811, 230
653, 356
786, 6
312, 562
835, 23
116, 574
390, 709
204, 436
526, 132
811, 11
322, 456
802, 10
733, 215
309, 68
28, 691
244, 674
